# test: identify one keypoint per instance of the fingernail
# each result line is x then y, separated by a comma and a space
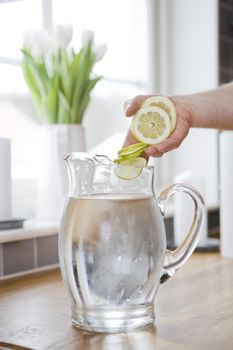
126, 106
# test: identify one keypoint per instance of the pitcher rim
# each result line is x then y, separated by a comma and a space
91, 156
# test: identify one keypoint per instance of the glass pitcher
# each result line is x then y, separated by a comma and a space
112, 244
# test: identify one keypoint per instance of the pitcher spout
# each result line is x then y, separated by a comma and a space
67, 156
81, 170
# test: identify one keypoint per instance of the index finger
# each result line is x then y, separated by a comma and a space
129, 140
132, 106
172, 142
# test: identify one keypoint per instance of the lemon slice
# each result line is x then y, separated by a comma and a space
164, 103
130, 169
151, 125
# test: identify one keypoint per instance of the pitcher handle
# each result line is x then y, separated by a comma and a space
173, 260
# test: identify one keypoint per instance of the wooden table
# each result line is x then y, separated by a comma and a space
194, 310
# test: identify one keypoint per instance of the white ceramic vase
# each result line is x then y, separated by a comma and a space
56, 141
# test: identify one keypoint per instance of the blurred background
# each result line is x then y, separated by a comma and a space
153, 46
163, 47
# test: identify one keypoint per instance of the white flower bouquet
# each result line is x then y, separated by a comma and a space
60, 80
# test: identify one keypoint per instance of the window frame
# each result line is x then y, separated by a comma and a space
47, 23
153, 80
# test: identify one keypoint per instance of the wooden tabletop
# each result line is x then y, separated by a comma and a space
194, 310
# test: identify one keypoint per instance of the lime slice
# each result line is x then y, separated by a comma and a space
151, 125
135, 148
130, 152
164, 103
127, 157
130, 169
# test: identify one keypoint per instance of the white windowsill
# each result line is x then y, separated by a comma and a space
31, 229
34, 229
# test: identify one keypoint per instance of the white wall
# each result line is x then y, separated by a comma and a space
105, 114
193, 43
189, 63
104, 119
226, 196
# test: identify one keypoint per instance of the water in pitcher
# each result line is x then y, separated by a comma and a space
115, 245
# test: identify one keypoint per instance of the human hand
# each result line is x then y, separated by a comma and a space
184, 122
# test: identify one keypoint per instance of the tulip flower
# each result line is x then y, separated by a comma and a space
63, 34
87, 38
99, 51
38, 42
60, 80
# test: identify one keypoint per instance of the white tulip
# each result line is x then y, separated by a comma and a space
99, 51
38, 42
70, 54
87, 38
62, 35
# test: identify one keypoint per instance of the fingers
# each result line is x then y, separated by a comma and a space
129, 140
131, 106
184, 122
152, 151
174, 141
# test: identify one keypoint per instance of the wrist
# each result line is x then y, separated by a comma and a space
186, 107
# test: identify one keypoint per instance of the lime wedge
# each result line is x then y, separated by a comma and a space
130, 169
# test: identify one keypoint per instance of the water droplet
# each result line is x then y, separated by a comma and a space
128, 299
119, 257
135, 260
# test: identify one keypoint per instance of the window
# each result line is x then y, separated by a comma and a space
15, 18
120, 24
